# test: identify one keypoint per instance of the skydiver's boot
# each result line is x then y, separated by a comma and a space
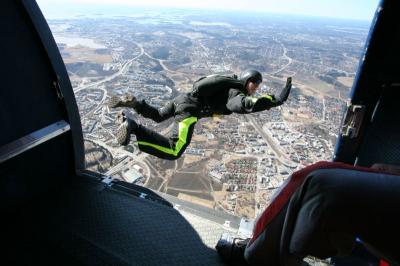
122, 101
124, 131
231, 250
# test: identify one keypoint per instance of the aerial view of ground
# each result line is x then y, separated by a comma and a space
234, 163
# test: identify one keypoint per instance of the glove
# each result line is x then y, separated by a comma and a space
282, 97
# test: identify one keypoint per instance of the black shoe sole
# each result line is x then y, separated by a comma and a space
114, 102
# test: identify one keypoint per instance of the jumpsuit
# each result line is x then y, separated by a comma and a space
223, 96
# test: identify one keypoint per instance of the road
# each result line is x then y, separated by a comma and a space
284, 56
280, 156
119, 73
265, 136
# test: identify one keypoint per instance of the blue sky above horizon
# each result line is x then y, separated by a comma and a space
340, 9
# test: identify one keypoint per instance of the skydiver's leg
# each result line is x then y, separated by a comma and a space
336, 205
316, 221
156, 114
181, 107
166, 147
143, 108
266, 245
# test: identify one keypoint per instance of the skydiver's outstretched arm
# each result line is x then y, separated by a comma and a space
242, 104
282, 97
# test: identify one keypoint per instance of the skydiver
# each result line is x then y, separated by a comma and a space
211, 95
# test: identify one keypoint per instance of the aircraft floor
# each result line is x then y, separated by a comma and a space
86, 223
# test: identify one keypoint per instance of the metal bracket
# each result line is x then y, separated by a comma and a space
353, 120
107, 181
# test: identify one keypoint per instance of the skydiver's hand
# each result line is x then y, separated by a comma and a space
282, 97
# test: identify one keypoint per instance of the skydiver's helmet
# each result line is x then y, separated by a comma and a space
251, 75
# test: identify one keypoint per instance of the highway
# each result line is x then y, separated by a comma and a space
119, 73
271, 142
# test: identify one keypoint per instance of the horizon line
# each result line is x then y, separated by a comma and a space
76, 14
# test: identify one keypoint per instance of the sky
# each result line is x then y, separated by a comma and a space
345, 9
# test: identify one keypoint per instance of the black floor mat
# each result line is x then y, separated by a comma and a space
89, 224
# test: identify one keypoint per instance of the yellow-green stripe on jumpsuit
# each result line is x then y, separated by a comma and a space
170, 147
